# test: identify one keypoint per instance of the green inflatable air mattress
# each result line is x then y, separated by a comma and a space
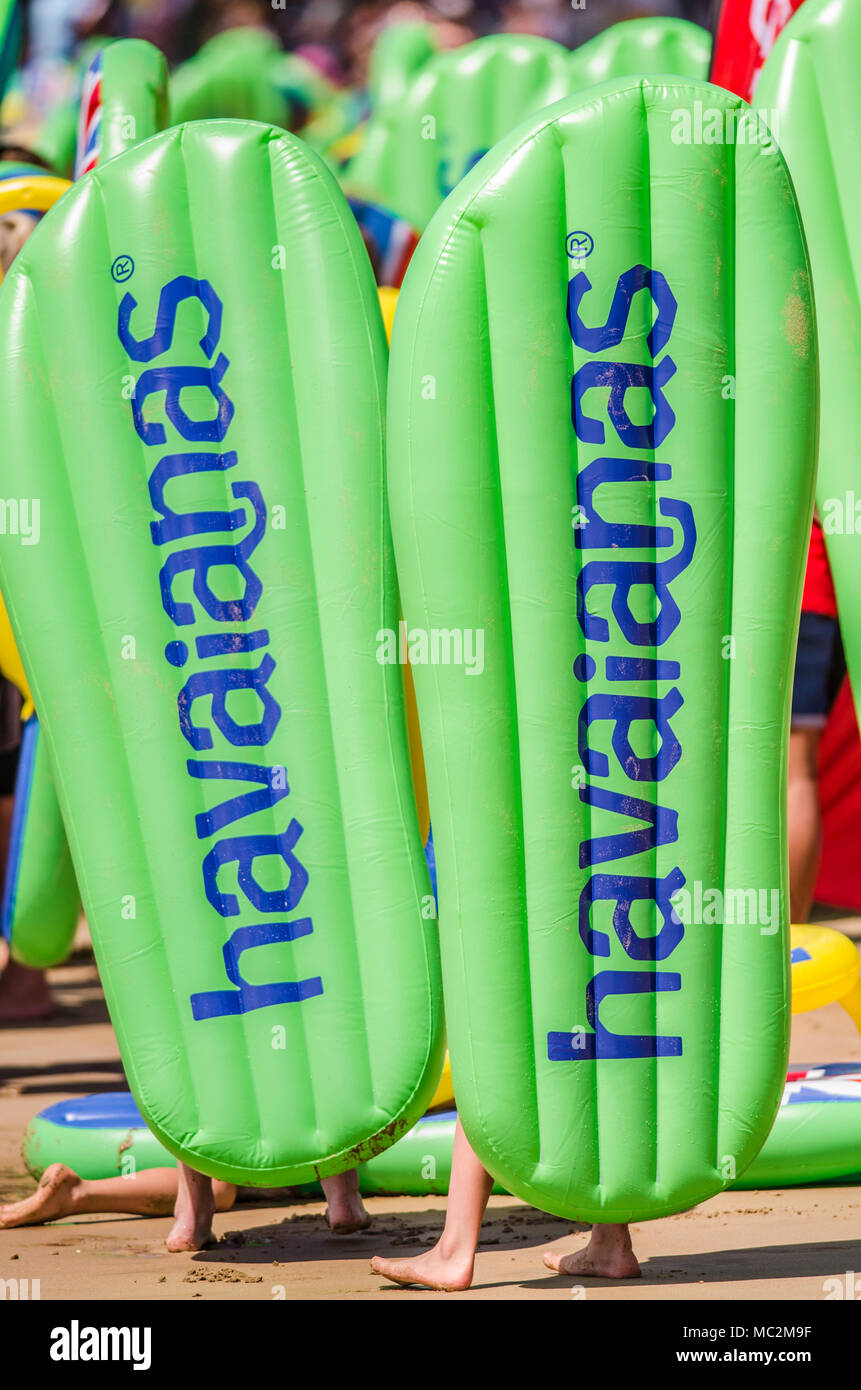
193, 361
602, 437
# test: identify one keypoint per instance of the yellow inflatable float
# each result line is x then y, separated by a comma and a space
10, 661
825, 970
31, 192
443, 1096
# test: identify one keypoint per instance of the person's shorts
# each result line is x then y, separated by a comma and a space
819, 670
8, 771
10, 735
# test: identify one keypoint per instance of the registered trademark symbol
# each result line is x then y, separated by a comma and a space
122, 269
579, 245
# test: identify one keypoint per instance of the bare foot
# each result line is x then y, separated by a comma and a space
609, 1255
186, 1238
190, 1232
24, 994
194, 1210
350, 1226
432, 1270
346, 1212
52, 1199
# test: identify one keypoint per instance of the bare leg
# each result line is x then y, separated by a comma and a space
449, 1264
805, 820
61, 1193
346, 1212
609, 1254
24, 994
194, 1210
7, 808
153, 1192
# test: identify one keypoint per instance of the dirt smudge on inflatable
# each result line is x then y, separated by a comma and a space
796, 315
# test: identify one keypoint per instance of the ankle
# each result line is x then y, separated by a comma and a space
454, 1251
611, 1237
78, 1193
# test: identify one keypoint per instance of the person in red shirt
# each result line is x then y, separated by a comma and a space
820, 666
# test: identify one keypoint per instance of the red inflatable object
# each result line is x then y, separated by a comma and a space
747, 30
839, 881
746, 34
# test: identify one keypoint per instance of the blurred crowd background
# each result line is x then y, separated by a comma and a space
336, 35
346, 30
